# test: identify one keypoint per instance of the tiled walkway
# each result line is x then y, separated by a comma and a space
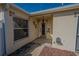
28, 48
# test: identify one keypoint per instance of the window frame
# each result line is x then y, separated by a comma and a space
19, 28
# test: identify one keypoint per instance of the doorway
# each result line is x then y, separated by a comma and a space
43, 27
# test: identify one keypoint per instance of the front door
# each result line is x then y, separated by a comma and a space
77, 37
43, 28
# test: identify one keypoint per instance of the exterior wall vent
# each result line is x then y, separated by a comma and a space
58, 41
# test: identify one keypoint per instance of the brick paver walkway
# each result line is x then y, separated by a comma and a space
48, 51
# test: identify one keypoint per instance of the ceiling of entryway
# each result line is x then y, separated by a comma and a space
33, 7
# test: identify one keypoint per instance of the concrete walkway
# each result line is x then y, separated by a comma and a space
37, 47
28, 48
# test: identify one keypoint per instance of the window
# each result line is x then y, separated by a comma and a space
20, 28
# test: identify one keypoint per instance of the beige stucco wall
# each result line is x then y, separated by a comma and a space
34, 33
65, 26
37, 32
12, 45
48, 24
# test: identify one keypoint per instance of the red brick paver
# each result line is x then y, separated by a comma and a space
55, 52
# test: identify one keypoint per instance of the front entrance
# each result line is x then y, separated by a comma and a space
43, 27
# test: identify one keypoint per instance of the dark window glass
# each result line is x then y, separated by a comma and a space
20, 23
20, 28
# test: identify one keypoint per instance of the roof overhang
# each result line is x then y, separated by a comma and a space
22, 10
58, 9
49, 11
